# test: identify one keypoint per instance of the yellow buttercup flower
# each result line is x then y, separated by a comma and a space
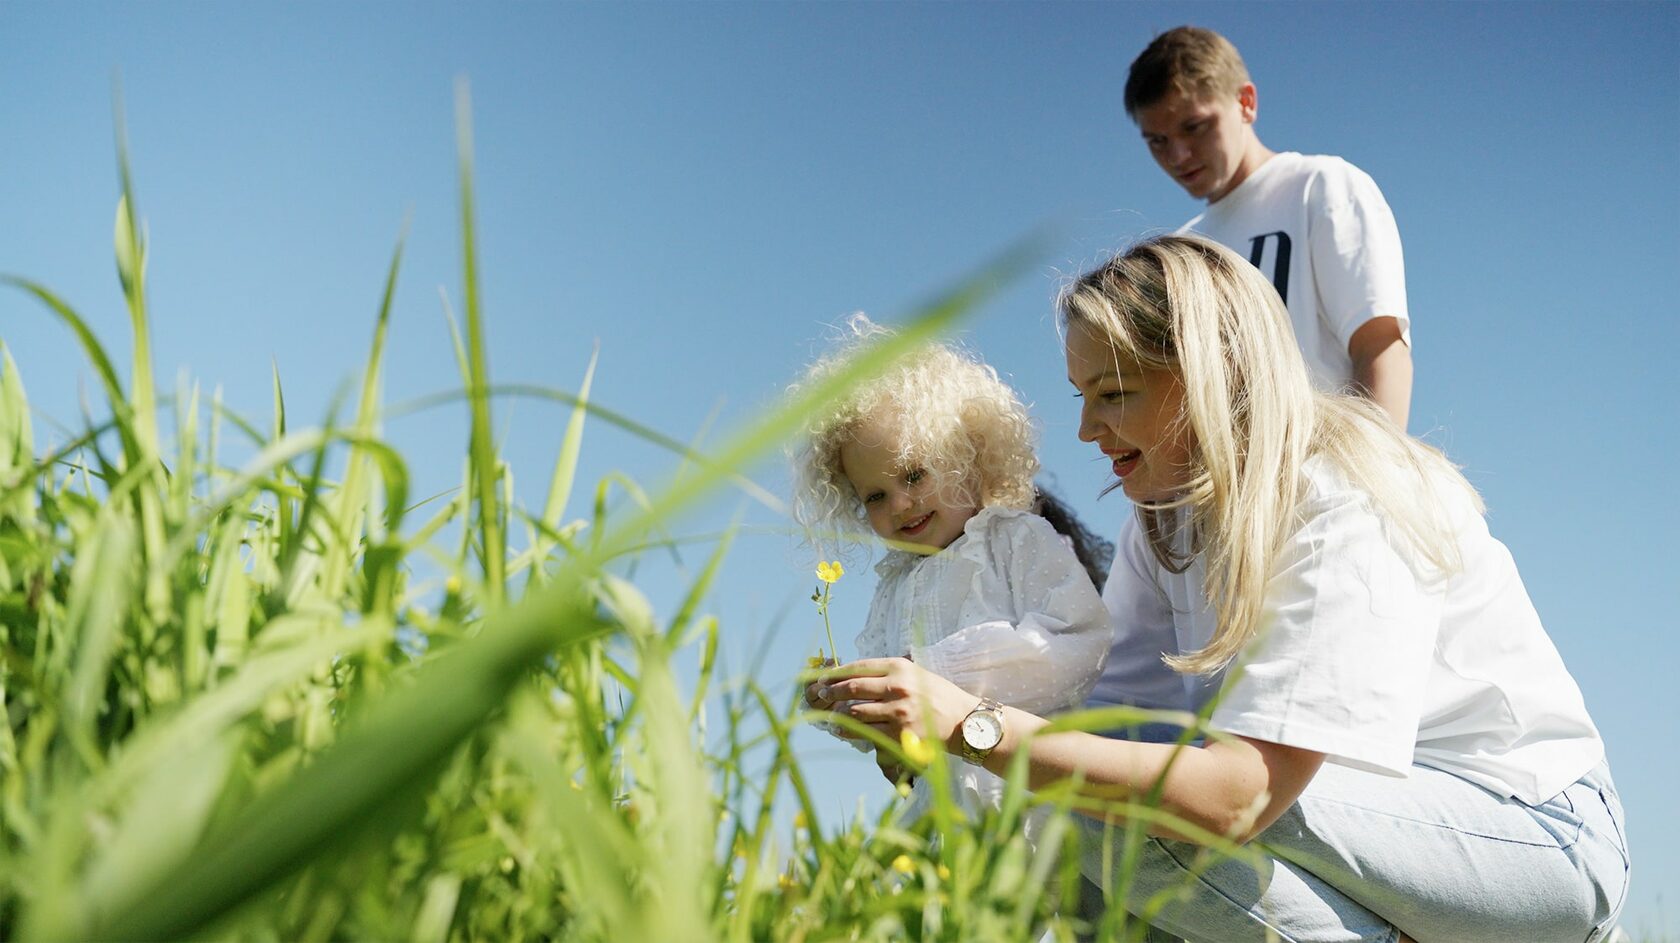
829, 572
903, 865
799, 819
916, 750
943, 872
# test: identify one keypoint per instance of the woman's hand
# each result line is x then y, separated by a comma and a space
895, 694
891, 769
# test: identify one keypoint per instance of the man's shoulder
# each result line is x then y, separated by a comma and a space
1329, 174
1309, 168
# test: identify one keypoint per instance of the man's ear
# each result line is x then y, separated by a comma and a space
1248, 102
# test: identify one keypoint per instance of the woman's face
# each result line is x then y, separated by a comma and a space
1134, 414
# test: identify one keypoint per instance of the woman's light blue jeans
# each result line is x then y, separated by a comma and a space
1366, 857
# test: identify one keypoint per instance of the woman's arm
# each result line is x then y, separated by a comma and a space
1233, 787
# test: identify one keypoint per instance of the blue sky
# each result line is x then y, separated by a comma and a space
702, 189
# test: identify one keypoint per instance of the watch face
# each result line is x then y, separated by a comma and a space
982, 731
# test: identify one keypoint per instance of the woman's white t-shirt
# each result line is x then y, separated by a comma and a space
1363, 655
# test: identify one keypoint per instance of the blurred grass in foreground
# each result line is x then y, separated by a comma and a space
233, 710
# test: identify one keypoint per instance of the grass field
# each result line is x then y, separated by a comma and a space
288, 700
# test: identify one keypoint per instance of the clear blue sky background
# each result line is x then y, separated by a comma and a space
702, 188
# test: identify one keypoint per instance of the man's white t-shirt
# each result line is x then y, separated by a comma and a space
1319, 229
1364, 654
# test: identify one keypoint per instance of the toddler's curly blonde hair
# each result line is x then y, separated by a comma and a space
952, 415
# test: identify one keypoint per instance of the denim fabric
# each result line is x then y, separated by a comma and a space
1364, 857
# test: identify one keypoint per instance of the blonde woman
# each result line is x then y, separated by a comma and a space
1389, 716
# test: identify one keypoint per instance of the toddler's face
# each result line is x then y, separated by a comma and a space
902, 503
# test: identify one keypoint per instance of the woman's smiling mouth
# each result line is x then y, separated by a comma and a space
1124, 461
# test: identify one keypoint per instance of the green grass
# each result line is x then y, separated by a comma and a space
234, 710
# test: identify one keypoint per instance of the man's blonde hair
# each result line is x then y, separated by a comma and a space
952, 415
1185, 304
1197, 63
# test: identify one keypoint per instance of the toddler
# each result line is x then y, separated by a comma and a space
935, 457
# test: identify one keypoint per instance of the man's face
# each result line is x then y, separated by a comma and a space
1200, 142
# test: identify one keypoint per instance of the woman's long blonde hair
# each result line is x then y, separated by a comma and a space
1191, 306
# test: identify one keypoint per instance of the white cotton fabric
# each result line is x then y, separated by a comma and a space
1006, 612
1172, 617
1369, 657
1344, 260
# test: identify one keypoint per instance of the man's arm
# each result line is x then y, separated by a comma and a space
1382, 366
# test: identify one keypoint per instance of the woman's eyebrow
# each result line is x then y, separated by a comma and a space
1098, 378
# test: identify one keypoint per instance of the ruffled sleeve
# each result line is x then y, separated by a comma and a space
1044, 651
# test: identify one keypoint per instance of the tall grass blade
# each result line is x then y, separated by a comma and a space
120, 408
349, 505
604, 414
565, 466
17, 444
403, 739
482, 451
130, 246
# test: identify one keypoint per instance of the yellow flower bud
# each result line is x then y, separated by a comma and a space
903, 865
916, 750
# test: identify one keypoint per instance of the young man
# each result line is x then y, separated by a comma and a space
1317, 227
1320, 231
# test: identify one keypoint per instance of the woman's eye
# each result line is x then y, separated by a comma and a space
1113, 396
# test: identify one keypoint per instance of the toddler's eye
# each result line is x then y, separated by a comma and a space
914, 475
873, 497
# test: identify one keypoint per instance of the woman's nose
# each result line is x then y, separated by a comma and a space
1087, 426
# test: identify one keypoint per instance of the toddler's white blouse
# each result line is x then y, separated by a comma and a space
1005, 612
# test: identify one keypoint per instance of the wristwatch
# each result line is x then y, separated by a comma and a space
982, 731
